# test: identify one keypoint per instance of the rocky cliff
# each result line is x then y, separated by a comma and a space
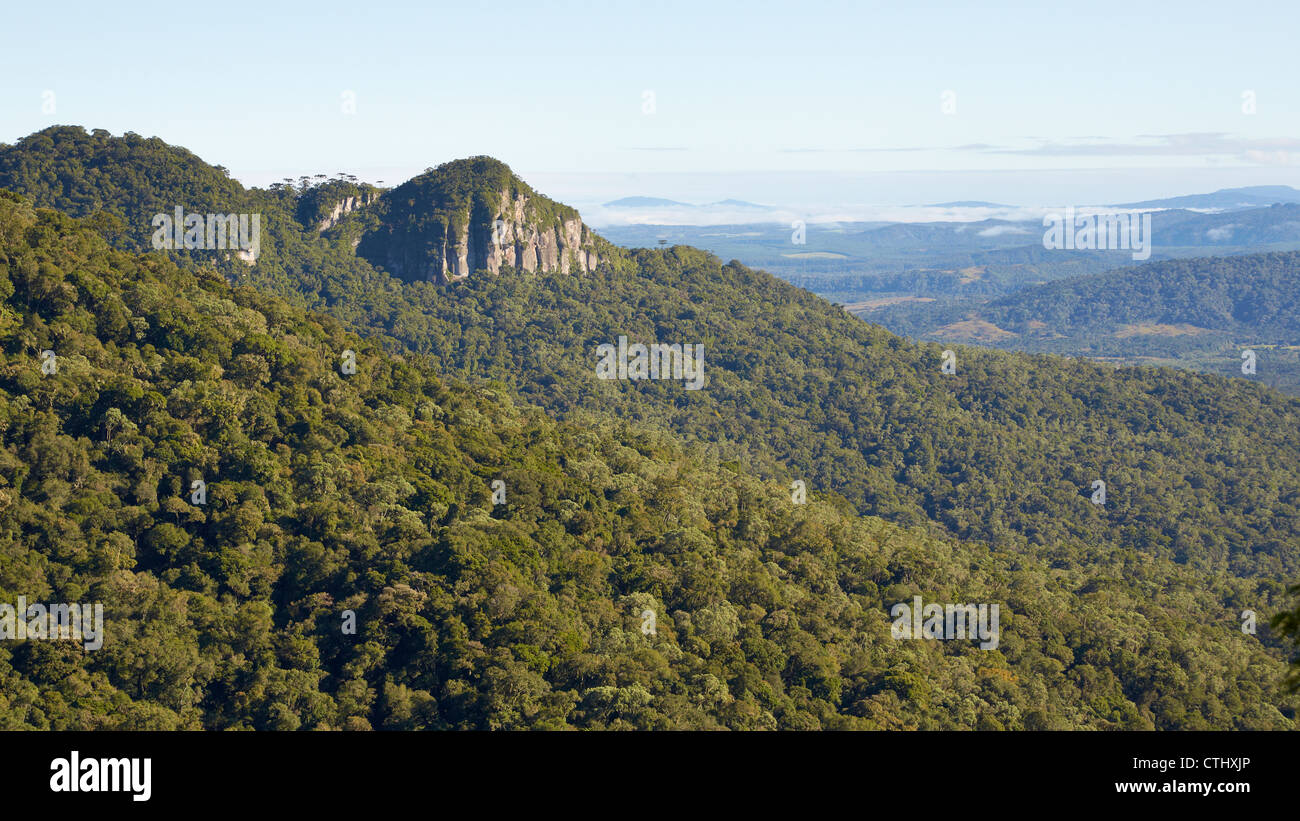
346, 205
474, 215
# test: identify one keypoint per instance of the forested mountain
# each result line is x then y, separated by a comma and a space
994, 464
130, 177
371, 492
1251, 295
1199, 313
1275, 227
471, 215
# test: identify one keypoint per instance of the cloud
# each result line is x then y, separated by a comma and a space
999, 230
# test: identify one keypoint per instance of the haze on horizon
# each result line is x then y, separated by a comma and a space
821, 105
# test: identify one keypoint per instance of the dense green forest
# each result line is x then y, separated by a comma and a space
1196, 313
973, 486
371, 492
412, 230
131, 177
1245, 295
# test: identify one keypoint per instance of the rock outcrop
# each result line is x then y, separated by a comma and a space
475, 215
346, 205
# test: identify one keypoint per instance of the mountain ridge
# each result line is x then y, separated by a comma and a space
473, 214
368, 492
1200, 470
465, 215
1251, 196
1198, 313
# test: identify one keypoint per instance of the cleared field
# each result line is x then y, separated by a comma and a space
881, 302
816, 255
1157, 329
977, 330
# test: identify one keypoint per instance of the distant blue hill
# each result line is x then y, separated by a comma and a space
1253, 196
647, 202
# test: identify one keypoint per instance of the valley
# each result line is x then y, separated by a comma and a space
372, 491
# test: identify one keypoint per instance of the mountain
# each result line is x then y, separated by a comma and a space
953, 263
1251, 295
131, 177
467, 215
999, 460
366, 496
1243, 229
646, 202
1200, 313
331, 494
472, 215
1226, 199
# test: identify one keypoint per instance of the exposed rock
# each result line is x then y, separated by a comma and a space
247, 257
345, 206
474, 215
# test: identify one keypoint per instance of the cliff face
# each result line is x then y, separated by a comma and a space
345, 205
512, 237
322, 207
474, 215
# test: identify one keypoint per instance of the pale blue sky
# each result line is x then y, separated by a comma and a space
764, 101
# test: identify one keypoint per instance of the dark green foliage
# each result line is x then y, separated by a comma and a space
420, 225
321, 204
370, 493
1194, 313
1003, 452
1122, 616
131, 177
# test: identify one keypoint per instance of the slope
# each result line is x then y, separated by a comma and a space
1200, 471
369, 492
1198, 313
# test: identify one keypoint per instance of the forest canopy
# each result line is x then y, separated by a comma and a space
371, 492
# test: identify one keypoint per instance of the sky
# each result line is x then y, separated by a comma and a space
806, 104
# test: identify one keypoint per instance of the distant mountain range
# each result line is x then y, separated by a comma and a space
859, 261
1226, 199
